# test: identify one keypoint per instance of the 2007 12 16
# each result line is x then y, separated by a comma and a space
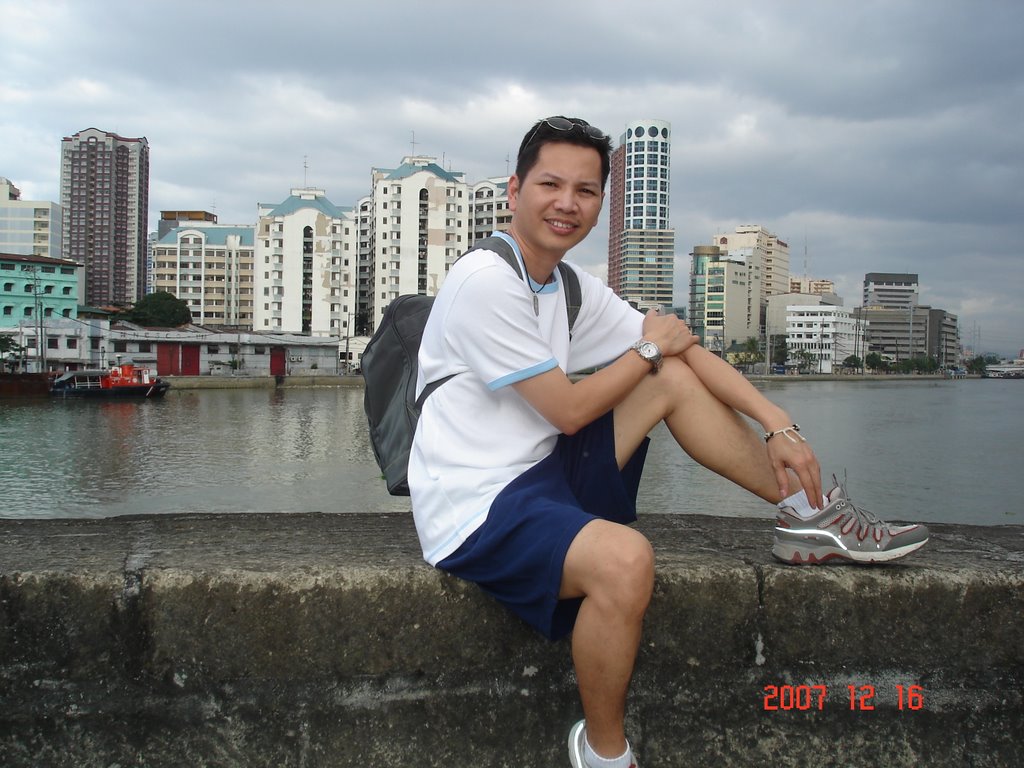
859, 698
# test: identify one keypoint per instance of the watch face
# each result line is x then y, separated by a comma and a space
648, 349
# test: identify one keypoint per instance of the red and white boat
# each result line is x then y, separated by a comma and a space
124, 380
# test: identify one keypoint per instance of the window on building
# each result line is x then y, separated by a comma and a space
120, 346
72, 342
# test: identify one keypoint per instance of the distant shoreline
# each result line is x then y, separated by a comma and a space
180, 383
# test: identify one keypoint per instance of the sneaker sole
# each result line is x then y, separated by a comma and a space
576, 745
801, 555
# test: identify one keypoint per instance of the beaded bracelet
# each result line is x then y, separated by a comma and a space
795, 429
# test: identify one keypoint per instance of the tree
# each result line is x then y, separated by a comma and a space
751, 352
874, 361
804, 359
779, 352
977, 365
852, 362
8, 346
160, 309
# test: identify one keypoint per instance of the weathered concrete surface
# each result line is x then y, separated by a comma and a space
323, 640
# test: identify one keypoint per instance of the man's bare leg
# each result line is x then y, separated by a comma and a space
611, 567
712, 433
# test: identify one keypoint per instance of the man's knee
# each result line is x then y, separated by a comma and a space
628, 570
612, 563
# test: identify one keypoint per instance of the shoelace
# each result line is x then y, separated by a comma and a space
866, 521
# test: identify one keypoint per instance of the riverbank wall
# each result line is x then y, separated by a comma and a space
324, 640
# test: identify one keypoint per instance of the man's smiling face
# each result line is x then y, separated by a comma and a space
558, 202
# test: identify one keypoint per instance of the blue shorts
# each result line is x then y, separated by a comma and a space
518, 553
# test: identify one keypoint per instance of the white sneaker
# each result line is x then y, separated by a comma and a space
577, 743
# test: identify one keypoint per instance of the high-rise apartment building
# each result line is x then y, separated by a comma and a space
641, 242
303, 266
28, 227
488, 211
104, 193
411, 229
762, 250
210, 267
891, 289
724, 307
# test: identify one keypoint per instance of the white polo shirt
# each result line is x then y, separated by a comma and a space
475, 433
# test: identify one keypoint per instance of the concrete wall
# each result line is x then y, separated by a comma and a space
323, 640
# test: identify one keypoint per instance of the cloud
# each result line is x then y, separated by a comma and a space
887, 133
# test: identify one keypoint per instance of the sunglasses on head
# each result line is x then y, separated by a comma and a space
565, 124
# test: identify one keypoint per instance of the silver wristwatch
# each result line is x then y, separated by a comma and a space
649, 351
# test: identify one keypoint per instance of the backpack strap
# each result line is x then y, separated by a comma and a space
573, 293
570, 280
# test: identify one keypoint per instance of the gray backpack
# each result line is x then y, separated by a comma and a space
389, 369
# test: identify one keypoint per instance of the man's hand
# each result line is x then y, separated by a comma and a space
671, 334
785, 451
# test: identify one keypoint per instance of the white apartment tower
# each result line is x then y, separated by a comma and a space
104, 194
641, 242
411, 230
488, 211
304, 263
210, 267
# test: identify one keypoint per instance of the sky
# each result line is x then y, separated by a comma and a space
871, 136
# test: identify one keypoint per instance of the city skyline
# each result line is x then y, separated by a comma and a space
878, 138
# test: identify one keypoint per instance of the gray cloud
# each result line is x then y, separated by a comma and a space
885, 134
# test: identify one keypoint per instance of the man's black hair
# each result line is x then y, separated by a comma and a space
542, 133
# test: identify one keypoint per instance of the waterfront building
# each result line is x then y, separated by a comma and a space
35, 293
641, 241
899, 334
210, 267
891, 289
488, 211
724, 307
821, 337
200, 351
412, 228
29, 227
303, 270
104, 193
762, 250
776, 313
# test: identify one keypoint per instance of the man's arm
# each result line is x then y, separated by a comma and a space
570, 405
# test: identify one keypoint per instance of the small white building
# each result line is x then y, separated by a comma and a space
829, 334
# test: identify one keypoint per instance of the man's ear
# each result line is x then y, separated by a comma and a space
513, 192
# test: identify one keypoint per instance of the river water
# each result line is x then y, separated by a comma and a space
928, 450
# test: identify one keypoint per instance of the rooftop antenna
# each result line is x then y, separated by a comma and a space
507, 161
413, 142
305, 170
